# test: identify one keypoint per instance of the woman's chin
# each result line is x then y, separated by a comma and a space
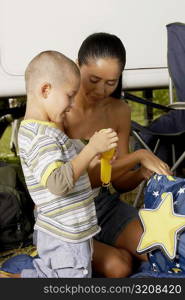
94, 98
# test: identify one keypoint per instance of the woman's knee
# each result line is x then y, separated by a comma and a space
119, 265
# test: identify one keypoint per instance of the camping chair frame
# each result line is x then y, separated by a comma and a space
171, 138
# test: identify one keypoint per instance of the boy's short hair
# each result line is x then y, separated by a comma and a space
49, 66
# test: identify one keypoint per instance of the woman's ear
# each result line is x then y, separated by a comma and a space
45, 90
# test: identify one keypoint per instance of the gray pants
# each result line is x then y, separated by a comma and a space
59, 259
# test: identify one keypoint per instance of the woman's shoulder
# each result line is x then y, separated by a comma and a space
118, 113
119, 106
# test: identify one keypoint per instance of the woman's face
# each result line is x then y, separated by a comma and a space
99, 78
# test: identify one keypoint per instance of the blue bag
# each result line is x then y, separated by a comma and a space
159, 264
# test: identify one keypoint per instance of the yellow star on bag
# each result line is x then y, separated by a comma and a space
161, 226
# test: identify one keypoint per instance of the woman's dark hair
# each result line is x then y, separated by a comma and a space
101, 45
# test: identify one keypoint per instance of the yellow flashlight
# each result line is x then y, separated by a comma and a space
106, 167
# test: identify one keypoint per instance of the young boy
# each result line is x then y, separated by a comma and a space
54, 171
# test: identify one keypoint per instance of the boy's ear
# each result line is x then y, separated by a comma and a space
45, 90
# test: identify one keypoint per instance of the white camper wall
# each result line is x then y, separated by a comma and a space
28, 27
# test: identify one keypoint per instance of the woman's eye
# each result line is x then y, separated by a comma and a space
111, 83
94, 80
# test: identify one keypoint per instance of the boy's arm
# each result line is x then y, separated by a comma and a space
62, 179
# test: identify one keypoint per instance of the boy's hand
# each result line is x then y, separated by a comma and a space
115, 156
103, 140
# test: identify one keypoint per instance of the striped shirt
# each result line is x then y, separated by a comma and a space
43, 148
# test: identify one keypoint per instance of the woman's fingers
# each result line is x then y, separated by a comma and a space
163, 169
155, 164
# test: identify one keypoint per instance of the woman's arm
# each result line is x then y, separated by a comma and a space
123, 177
128, 181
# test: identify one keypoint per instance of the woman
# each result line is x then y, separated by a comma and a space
101, 60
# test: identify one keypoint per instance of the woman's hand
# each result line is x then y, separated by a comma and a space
153, 163
146, 173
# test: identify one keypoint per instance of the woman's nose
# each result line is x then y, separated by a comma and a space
100, 90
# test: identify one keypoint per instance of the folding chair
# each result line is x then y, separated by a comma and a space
168, 131
170, 140
176, 63
163, 137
